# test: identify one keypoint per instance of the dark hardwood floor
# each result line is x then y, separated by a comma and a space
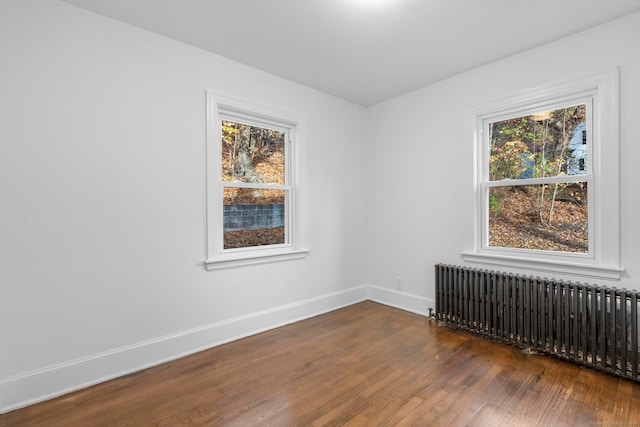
364, 365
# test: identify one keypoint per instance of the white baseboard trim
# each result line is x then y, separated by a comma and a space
52, 381
36, 386
402, 300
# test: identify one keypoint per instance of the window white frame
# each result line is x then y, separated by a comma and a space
486, 184
601, 94
221, 108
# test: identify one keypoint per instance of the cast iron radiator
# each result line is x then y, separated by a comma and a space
590, 325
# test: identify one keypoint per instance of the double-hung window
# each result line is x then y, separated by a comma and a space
547, 180
253, 215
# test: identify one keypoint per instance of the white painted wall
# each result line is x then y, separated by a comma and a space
420, 207
102, 192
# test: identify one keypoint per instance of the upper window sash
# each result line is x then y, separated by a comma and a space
289, 135
485, 142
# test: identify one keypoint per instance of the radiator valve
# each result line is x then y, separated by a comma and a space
430, 313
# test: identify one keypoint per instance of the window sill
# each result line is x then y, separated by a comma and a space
245, 259
548, 266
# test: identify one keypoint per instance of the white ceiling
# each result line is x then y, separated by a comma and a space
359, 52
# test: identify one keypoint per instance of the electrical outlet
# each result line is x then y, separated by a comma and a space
399, 281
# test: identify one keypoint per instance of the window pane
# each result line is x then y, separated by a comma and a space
544, 217
253, 217
547, 144
252, 154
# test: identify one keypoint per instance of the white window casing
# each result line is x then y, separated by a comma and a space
600, 93
221, 108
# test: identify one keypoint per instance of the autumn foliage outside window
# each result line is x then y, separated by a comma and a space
537, 189
254, 177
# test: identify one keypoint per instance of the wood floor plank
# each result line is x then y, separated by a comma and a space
363, 365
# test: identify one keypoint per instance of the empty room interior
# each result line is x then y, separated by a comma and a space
322, 212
